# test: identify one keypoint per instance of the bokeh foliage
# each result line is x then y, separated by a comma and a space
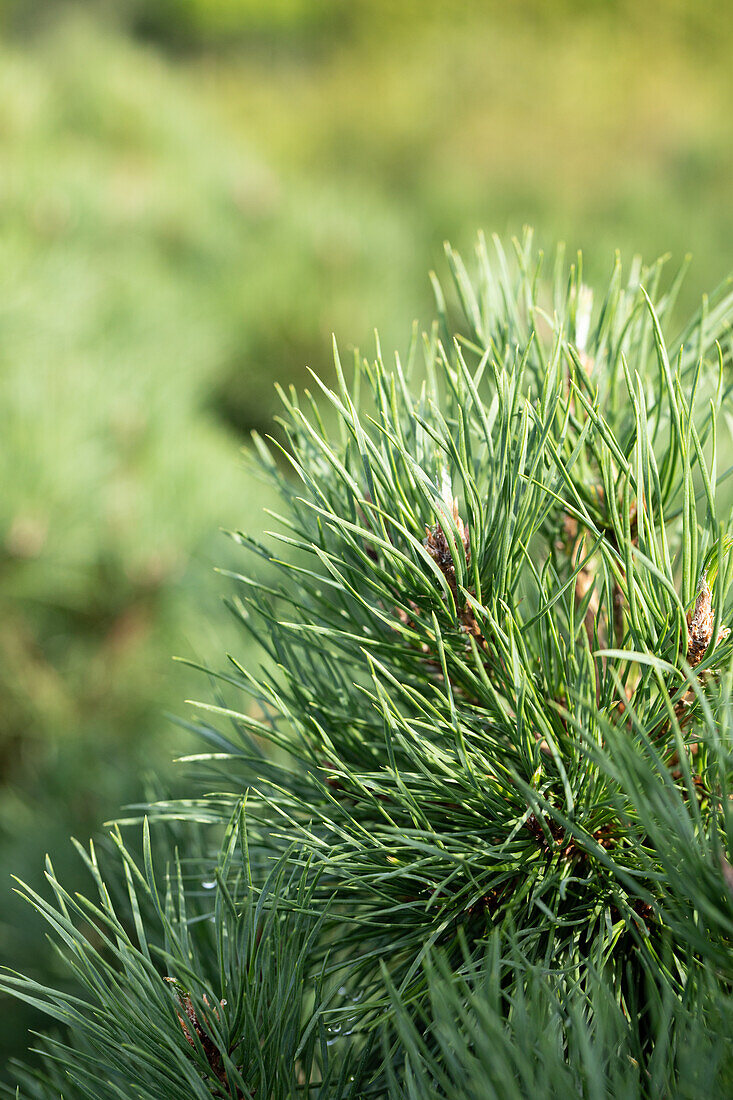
193, 194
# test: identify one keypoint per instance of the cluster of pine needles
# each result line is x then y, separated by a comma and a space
465, 831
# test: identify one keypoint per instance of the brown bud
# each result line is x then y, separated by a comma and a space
700, 623
189, 1022
437, 546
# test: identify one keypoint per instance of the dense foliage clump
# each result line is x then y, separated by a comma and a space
466, 830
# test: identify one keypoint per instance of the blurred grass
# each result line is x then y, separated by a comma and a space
193, 194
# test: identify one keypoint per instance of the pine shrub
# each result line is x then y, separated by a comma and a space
466, 830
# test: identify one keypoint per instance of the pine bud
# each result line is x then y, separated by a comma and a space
189, 1022
438, 547
700, 623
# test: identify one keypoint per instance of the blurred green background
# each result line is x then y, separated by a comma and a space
193, 195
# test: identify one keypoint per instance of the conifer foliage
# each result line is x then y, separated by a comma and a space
466, 831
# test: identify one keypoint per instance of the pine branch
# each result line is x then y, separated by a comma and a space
496, 685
